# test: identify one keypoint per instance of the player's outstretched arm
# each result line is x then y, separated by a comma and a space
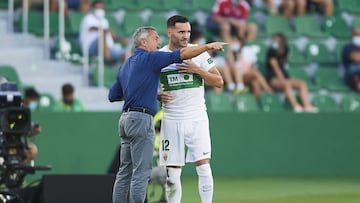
190, 52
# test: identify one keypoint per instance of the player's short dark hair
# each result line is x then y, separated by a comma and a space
31, 93
176, 19
67, 89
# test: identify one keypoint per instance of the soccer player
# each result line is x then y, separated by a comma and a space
185, 120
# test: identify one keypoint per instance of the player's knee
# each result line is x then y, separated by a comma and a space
173, 173
204, 170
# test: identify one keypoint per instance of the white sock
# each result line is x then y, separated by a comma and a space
173, 185
240, 86
206, 183
231, 86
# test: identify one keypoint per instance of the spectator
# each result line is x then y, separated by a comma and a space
76, 5
230, 16
89, 35
291, 8
31, 99
233, 86
68, 102
351, 61
243, 59
279, 79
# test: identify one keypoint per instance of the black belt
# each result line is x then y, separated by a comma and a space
139, 109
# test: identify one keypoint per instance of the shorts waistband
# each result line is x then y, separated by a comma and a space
140, 109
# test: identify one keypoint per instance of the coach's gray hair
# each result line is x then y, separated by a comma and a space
141, 33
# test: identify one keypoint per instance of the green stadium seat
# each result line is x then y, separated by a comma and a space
329, 78
350, 103
154, 5
308, 26
317, 52
325, 103
260, 49
158, 21
338, 50
246, 103
337, 27
110, 75
75, 21
351, 6
271, 103
4, 4
295, 55
274, 24
46, 102
219, 102
301, 74
203, 5
11, 74
128, 5
131, 22
356, 21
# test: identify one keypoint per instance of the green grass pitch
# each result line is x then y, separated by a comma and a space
273, 190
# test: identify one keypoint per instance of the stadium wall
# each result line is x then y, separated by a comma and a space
244, 144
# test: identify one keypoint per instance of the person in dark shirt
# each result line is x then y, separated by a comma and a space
279, 78
137, 84
351, 61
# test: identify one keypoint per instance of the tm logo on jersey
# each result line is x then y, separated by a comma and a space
179, 79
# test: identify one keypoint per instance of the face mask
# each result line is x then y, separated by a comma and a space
33, 105
356, 40
235, 47
100, 13
275, 45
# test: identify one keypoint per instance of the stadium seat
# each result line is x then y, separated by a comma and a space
308, 26
356, 21
128, 5
110, 75
274, 24
260, 49
301, 74
351, 6
131, 22
158, 21
338, 50
10, 73
350, 103
295, 55
46, 102
4, 4
203, 5
337, 27
317, 52
219, 102
75, 21
246, 103
271, 103
154, 5
325, 103
328, 78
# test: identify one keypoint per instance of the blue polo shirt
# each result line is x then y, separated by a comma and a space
138, 78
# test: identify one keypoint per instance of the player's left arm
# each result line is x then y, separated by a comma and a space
212, 77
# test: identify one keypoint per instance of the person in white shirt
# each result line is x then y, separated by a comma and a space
89, 34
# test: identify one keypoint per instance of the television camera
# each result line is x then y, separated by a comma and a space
15, 128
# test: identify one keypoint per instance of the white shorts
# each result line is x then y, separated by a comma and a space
175, 135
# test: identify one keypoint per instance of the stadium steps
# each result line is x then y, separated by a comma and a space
47, 76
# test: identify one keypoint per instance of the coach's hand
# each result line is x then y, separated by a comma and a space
164, 97
217, 46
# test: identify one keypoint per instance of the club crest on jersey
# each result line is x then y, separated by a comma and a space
210, 61
165, 157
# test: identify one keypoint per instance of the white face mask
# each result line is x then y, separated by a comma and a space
100, 13
235, 47
275, 45
356, 40
33, 105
